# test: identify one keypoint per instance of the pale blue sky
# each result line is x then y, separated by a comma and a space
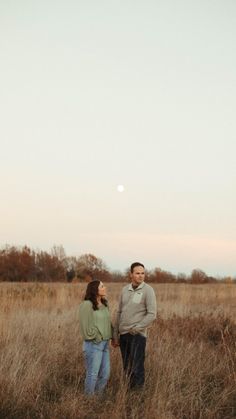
97, 93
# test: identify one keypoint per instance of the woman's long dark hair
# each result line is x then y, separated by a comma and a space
92, 294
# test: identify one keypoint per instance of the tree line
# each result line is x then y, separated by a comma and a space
22, 264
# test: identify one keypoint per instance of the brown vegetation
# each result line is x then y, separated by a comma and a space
190, 363
21, 264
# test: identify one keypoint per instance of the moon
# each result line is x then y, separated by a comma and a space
120, 188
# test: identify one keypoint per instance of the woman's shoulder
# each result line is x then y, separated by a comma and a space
86, 304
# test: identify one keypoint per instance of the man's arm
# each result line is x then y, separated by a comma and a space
151, 311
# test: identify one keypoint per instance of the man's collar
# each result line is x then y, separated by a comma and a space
138, 288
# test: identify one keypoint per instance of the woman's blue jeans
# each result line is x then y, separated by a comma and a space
97, 362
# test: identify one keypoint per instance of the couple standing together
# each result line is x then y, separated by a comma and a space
136, 312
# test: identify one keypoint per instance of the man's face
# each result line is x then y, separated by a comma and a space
138, 275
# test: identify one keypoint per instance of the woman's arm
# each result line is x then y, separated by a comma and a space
86, 322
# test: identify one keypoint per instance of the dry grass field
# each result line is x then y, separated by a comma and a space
190, 362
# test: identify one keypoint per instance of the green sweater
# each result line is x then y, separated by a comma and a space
95, 325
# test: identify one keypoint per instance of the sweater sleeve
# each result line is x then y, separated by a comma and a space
86, 322
151, 311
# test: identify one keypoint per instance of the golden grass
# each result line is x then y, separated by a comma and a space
190, 361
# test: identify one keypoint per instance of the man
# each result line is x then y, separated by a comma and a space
136, 312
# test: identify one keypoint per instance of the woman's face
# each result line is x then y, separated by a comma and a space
102, 291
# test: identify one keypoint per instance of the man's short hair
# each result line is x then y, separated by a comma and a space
134, 265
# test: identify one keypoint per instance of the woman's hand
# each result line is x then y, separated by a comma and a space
115, 343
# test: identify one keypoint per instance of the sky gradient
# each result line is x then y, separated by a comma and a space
96, 94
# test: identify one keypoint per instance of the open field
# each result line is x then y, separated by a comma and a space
190, 362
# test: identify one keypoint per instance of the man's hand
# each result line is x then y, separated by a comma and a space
115, 343
133, 332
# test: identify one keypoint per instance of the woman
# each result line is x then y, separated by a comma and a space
96, 330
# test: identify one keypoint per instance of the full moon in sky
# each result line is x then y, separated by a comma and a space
120, 188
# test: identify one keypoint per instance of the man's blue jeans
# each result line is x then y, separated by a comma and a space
133, 355
97, 362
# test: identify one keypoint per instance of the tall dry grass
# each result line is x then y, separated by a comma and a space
190, 361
